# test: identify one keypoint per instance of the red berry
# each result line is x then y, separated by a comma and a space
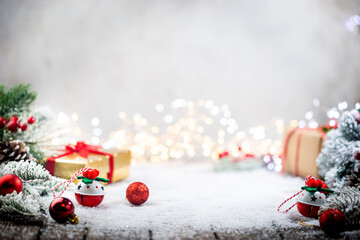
85, 174
13, 118
93, 174
332, 221
23, 127
357, 154
12, 126
319, 183
2, 122
311, 183
31, 120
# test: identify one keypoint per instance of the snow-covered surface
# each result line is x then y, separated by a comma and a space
193, 195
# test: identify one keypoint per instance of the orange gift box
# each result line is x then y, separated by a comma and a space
301, 149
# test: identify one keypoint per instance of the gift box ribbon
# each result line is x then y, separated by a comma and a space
83, 150
298, 141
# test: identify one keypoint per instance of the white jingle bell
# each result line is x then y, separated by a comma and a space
309, 203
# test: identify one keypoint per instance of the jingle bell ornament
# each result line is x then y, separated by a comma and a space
311, 197
309, 202
90, 192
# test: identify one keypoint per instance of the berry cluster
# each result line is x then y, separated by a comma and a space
13, 124
91, 173
316, 183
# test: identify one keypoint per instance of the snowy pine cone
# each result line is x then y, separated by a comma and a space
13, 150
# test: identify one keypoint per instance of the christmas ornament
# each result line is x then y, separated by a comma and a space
31, 120
137, 193
90, 192
311, 197
10, 183
62, 210
23, 127
332, 221
12, 126
2, 122
13, 150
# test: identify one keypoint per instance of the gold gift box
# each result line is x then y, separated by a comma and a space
305, 145
67, 166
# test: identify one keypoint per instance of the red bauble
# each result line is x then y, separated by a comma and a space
31, 120
10, 183
2, 122
23, 127
12, 126
62, 209
137, 193
332, 221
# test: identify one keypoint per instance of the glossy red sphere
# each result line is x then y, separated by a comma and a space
332, 221
308, 210
61, 208
10, 183
12, 126
88, 200
137, 193
2, 122
31, 120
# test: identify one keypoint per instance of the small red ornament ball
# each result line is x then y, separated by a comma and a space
2, 122
332, 221
10, 183
31, 120
137, 193
62, 210
12, 126
23, 127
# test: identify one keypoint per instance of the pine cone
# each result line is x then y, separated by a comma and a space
13, 150
353, 180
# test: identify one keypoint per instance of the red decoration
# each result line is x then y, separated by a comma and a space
31, 120
10, 183
92, 174
137, 193
90, 192
12, 126
357, 154
23, 127
2, 122
332, 221
83, 150
356, 115
62, 210
13, 119
311, 197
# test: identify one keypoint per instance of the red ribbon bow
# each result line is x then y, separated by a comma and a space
83, 150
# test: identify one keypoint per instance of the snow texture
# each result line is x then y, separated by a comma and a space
194, 196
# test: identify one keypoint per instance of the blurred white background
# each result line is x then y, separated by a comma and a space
263, 58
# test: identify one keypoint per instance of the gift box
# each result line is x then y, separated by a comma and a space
112, 163
301, 149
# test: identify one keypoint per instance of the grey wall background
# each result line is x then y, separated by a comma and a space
262, 58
